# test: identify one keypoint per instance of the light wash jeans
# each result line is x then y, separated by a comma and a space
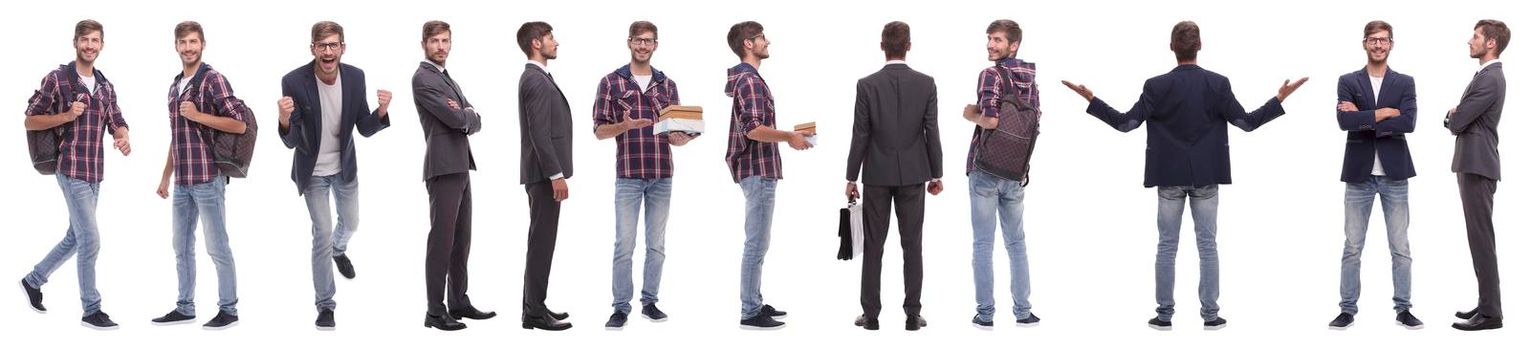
759, 206
1171, 210
82, 241
632, 195
330, 239
996, 200
205, 201
1358, 198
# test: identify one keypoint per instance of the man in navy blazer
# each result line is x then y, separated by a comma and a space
1187, 111
321, 103
1376, 106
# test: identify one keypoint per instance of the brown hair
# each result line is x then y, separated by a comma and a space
1376, 27
895, 40
531, 31
740, 32
327, 28
432, 28
1496, 31
640, 27
1010, 28
85, 27
1185, 40
186, 28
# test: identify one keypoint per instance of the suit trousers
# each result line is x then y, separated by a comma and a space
1477, 204
451, 236
880, 204
540, 241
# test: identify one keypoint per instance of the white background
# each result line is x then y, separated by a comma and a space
1089, 221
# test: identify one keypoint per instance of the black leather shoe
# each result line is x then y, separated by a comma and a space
914, 323
471, 313
546, 323
557, 315
443, 322
1478, 323
1466, 315
868, 323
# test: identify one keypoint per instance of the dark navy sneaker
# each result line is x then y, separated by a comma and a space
1342, 322
34, 297
98, 321
617, 321
221, 322
326, 321
174, 317
977, 321
652, 313
772, 312
1160, 324
1031, 321
343, 264
762, 321
1407, 320
1216, 324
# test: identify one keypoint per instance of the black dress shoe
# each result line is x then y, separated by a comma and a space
868, 323
914, 323
546, 323
443, 322
1466, 315
471, 313
557, 315
1478, 323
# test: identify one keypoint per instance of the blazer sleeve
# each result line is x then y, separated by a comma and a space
1233, 111
1130, 120
538, 100
859, 135
1474, 104
292, 134
1407, 118
932, 133
430, 94
1357, 120
368, 123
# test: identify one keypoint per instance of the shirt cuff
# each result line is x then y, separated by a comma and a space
555, 177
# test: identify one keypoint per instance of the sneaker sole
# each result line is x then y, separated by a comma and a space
1161, 328
982, 327
758, 328
1413, 328
1216, 327
27, 293
172, 323
325, 328
227, 326
609, 328
95, 327
1336, 328
1027, 325
666, 318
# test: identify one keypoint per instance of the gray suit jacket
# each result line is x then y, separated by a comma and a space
896, 135
547, 128
1475, 124
446, 129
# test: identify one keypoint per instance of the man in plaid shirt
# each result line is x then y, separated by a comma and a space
201, 102
627, 104
78, 101
755, 163
996, 200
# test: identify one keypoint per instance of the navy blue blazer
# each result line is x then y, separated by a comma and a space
302, 135
1369, 139
1187, 111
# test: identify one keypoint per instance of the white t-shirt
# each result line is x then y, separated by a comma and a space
183, 82
330, 103
1376, 92
90, 83
642, 82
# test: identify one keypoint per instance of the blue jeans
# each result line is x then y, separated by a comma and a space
81, 241
329, 239
1171, 210
631, 194
759, 206
205, 201
997, 198
1358, 197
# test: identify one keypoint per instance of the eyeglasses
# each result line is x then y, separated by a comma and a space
1378, 41
643, 41
331, 46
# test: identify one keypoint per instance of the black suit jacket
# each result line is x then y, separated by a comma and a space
1475, 124
446, 129
1187, 111
547, 132
896, 136
1368, 139
306, 123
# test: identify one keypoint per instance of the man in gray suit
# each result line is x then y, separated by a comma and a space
896, 139
447, 118
547, 162
1475, 123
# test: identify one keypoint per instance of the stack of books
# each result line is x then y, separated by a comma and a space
811, 128
686, 119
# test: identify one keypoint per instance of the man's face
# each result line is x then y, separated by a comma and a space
758, 45
87, 47
1378, 46
437, 47
1478, 44
999, 46
642, 46
549, 48
327, 52
190, 48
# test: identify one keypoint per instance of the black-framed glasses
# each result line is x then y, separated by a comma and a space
331, 46
643, 41
1378, 41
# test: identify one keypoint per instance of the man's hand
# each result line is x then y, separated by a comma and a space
284, 109
851, 192
75, 110
935, 187
678, 138
384, 97
1083, 91
560, 189
798, 140
1346, 106
189, 110
121, 141
1287, 88
164, 188
450, 103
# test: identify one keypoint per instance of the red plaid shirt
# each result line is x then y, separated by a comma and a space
639, 153
990, 89
753, 106
81, 147
190, 148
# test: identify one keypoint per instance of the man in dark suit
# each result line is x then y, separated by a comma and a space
1474, 121
322, 103
447, 118
1187, 111
547, 162
897, 139
1376, 106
